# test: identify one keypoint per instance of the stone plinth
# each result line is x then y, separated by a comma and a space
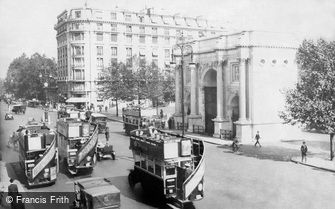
221, 123
193, 120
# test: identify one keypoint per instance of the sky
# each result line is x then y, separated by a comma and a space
26, 26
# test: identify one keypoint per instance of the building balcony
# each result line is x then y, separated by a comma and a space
77, 80
78, 92
76, 29
79, 66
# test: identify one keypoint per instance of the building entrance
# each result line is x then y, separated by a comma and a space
210, 109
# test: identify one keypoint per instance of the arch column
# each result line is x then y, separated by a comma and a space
194, 118
194, 109
221, 122
243, 126
242, 90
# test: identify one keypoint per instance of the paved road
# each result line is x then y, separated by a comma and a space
255, 178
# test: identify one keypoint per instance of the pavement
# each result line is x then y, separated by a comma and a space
282, 150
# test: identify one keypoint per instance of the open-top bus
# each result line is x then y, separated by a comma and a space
77, 144
38, 154
168, 164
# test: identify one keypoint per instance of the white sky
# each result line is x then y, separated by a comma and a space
26, 26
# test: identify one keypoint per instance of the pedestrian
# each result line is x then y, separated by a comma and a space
106, 108
235, 145
107, 134
161, 113
257, 137
303, 150
13, 191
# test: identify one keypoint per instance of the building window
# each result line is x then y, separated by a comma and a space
100, 37
235, 73
142, 39
113, 27
141, 18
99, 26
114, 61
155, 62
113, 15
98, 14
78, 36
166, 32
142, 61
129, 29
78, 14
100, 62
201, 34
129, 38
154, 31
142, 29
129, 52
167, 40
154, 39
100, 51
127, 17
114, 51
167, 53
113, 37
129, 62
78, 50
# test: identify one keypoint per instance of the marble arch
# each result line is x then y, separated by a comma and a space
243, 68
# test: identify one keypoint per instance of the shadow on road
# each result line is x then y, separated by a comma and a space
264, 152
138, 194
15, 171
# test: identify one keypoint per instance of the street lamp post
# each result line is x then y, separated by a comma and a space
184, 47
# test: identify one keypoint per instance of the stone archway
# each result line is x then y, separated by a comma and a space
210, 100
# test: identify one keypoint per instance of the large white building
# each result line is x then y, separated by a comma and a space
235, 84
89, 40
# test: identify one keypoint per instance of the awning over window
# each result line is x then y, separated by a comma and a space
142, 52
154, 52
77, 100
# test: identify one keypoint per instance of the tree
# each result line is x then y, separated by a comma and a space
116, 83
23, 75
154, 84
312, 101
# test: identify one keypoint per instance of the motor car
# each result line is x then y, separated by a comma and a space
105, 151
9, 116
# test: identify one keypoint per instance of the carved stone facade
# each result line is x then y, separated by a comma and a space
236, 84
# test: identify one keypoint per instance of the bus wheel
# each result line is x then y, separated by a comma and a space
131, 179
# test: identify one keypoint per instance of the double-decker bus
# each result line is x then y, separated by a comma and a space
131, 119
168, 164
38, 154
77, 144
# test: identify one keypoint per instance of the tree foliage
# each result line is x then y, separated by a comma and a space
312, 101
136, 79
116, 83
23, 75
